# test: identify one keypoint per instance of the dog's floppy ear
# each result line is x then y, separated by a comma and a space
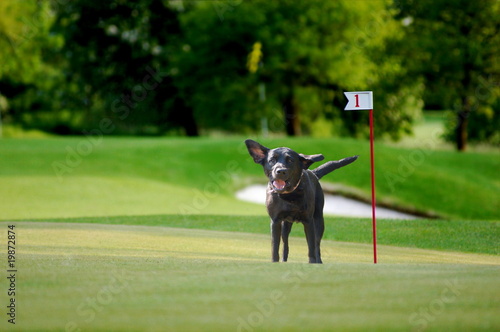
309, 160
257, 151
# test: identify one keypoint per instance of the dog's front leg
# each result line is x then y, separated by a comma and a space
285, 232
275, 239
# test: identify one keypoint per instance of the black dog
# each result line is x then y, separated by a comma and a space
294, 194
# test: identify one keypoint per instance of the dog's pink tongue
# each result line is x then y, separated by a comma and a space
279, 184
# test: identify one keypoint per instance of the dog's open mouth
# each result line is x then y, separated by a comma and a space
279, 184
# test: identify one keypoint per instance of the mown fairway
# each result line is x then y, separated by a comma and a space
138, 278
78, 177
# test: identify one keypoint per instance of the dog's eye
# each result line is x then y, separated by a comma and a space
272, 161
289, 160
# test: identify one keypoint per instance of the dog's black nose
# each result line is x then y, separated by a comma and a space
281, 171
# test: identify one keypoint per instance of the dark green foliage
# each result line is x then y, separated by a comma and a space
118, 56
28, 74
156, 67
312, 52
453, 46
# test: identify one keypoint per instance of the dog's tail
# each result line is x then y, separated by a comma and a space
332, 165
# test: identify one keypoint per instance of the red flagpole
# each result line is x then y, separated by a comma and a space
374, 222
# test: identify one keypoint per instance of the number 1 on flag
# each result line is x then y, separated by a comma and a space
359, 100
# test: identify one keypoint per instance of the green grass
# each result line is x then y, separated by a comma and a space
431, 125
139, 234
45, 178
460, 236
142, 278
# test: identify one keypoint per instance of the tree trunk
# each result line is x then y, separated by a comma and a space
189, 123
461, 128
464, 112
181, 115
292, 122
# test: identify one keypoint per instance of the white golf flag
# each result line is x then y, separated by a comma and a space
359, 100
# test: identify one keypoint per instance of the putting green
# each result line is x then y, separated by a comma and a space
137, 241
115, 277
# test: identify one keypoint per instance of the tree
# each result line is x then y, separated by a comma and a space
26, 74
453, 45
312, 52
118, 55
